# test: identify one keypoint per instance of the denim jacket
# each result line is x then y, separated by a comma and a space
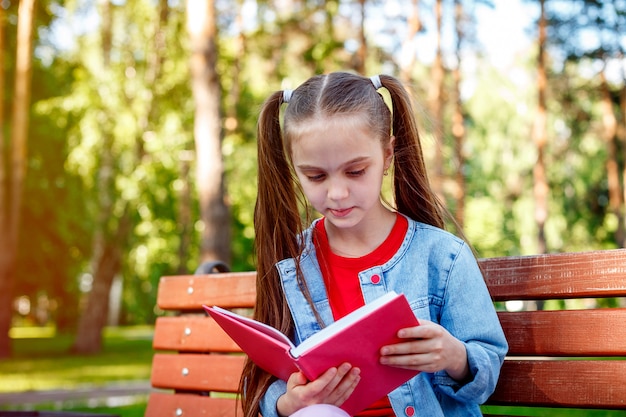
440, 277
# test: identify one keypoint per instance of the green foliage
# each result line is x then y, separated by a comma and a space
138, 111
499, 166
115, 113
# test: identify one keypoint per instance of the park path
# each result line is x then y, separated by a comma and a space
119, 393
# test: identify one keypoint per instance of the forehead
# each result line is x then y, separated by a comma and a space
329, 125
336, 138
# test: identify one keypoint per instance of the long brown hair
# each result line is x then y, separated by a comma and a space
278, 221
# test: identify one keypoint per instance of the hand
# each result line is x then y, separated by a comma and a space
332, 387
429, 347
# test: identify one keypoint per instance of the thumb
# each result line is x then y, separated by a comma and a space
297, 378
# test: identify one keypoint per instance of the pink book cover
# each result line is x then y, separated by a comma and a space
356, 338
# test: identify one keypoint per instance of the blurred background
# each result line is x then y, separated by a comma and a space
127, 135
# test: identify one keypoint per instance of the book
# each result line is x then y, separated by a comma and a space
355, 338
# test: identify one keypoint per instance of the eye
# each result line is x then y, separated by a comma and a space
316, 177
356, 173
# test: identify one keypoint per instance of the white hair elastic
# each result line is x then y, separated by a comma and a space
376, 81
287, 95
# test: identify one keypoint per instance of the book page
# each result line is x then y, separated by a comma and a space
342, 323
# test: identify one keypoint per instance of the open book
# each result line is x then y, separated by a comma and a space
355, 338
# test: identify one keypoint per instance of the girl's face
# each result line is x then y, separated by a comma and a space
340, 165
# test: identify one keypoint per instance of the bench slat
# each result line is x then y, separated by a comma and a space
539, 371
562, 383
189, 292
190, 405
191, 334
594, 274
598, 332
200, 372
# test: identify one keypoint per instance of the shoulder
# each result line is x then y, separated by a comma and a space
431, 235
434, 247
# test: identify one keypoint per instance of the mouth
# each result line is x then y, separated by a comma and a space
340, 212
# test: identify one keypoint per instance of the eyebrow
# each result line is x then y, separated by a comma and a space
350, 162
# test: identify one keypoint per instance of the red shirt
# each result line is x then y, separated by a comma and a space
342, 282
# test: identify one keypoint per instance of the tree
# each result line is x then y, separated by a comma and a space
128, 81
609, 134
458, 119
539, 135
6, 257
436, 100
106, 250
408, 58
214, 212
10, 217
570, 30
361, 54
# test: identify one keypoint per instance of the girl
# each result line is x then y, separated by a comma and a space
338, 140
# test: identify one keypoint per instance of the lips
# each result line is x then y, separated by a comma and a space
341, 212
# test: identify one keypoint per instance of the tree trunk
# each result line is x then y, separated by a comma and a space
6, 308
185, 223
214, 212
14, 186
622, 138
361, 54
104, 258
239, 54
609, 125
94, 316
458, 121
436, 96
539, 133
408, 56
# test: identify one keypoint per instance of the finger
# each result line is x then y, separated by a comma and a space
414, 346
334, 379
323, 385
426, 329
345, 388
295, 379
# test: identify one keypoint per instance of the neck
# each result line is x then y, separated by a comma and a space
359, 241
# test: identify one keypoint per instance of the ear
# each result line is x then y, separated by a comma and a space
388, 151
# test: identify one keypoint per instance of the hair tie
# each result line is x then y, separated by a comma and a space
376, 81
287, 95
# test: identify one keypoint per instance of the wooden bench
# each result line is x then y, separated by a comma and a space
574, 358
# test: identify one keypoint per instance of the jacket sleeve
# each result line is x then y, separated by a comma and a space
469, 315
269, 400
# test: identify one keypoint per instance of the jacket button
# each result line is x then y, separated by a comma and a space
409, 411
375, 279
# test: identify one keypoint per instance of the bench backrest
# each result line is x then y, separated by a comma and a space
558, 358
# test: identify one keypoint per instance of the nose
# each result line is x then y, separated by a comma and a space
337, 189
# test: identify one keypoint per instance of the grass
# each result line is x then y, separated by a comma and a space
551, 412
41, 361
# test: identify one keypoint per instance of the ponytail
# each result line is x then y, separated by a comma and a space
413, 194
277, 225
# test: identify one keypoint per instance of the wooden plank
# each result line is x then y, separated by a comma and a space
586, 384
162, 404
197, 372
598, 332
189, 292
191, 334
592, 274
546, 382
